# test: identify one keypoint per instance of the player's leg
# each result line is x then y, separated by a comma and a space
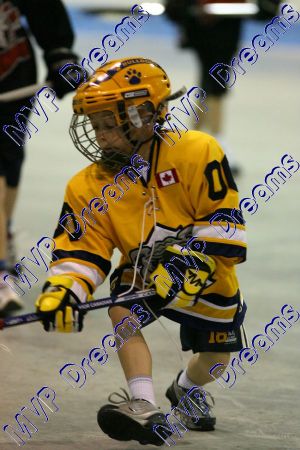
134, 417
134, 355
210, 50
10, 201
9, 300
13, 174
11, 158
213, 119
2, 221
200, 364
209, 348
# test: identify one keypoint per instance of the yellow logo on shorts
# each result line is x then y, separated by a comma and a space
197, 280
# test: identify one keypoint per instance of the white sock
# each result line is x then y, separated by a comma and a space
142, 387
184, 380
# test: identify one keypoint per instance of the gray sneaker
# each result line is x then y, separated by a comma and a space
201, 418
130, 419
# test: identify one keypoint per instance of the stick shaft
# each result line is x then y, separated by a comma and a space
89, 306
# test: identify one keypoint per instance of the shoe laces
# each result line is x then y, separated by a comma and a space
136, 405
202, 399
124, 397
210, 404
200, 402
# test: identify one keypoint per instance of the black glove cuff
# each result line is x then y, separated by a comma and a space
59, 54
69, 292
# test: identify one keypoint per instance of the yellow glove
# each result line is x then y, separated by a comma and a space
58, 303
182, 275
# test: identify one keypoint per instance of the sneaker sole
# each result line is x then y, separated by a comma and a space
203, 424
127, 429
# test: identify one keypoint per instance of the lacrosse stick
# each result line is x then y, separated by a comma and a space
95, 304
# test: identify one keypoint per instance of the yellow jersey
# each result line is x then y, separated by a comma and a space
188, 190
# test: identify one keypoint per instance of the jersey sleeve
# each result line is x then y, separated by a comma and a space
83, 246
49, 23
217, 219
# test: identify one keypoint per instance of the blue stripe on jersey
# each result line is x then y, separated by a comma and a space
84, 256
231, 215
222, 249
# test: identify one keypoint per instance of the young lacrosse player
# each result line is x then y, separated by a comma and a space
162, 228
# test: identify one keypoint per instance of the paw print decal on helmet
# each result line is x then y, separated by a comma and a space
133, 76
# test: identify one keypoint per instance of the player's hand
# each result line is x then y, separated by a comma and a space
191, 271
55, 59
57, 305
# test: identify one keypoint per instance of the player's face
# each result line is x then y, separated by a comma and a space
111, 137
108, 135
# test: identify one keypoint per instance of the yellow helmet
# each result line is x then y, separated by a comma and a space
123, 88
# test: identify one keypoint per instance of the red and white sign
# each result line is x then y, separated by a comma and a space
167, 177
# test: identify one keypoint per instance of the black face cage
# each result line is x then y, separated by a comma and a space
84, 138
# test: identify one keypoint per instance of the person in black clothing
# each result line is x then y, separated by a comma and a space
214, 39
49, 23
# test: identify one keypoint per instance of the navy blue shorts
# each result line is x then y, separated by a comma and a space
191, 338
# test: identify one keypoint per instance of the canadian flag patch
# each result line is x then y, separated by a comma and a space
167, 177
